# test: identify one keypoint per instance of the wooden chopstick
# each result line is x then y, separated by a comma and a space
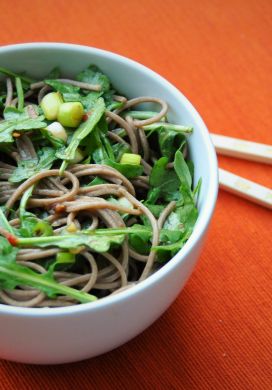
247, 150
245, 188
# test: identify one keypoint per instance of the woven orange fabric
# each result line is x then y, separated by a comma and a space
218, 333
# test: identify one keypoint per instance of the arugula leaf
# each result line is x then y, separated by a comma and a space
97, 180
128, 170
184, 217
95, 147
169, 142
61, 260
13, 274
7, 251
99, 147
182, 170
95, 242
97, 143
19, 121
119, 149
110, 103
186, 213
167, 252
93, 75
197, 189
53, 74
28, 168
11, 112
87, 101
164, 183
168, 236
173, 185
140, 240
62, 87
99, 240
30, 224
156, 209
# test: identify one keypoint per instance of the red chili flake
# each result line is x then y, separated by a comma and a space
60, 208
86, 116
12, 239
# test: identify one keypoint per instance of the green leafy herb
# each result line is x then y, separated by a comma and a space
95, 242
30, 224
54, 74
62, 87
139, 240
88, 101
27, 168
166, 252
185, 214
93, 75
110, 102
128, 170
170, 142
13, 274
119, 149
164, 182
182, 170
16, 120
7, 251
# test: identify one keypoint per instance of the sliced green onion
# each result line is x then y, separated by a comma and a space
65, 257
70, 114
43, 229
50, 105
20, 93
57, 130
130, 158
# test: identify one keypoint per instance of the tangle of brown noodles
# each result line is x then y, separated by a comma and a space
69, 202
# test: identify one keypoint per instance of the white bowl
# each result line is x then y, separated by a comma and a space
68, 334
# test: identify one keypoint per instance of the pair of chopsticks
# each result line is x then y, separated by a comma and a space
246, 150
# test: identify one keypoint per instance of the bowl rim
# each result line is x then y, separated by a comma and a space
202, 221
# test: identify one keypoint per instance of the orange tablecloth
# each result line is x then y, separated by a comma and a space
217, 335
